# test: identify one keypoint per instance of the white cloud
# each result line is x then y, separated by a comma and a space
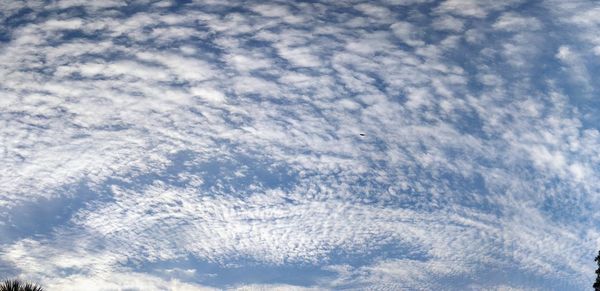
511, 21
473, 8
408, 33
448, 23
576, 66
445, 171
378, 12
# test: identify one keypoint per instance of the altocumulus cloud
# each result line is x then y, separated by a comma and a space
309, 145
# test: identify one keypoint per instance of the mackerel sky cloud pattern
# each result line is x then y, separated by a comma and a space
205, 145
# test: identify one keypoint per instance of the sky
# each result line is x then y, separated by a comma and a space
300, 145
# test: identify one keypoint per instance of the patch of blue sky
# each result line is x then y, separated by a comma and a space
39, 218
234, 274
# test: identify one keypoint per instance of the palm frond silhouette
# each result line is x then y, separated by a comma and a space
17, 285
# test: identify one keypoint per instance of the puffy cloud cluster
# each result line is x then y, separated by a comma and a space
389, 144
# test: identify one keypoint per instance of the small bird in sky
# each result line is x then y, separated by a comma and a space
361, 134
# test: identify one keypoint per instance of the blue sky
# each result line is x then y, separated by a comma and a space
300, 145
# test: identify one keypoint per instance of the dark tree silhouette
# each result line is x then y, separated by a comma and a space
16, 285
597, 284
